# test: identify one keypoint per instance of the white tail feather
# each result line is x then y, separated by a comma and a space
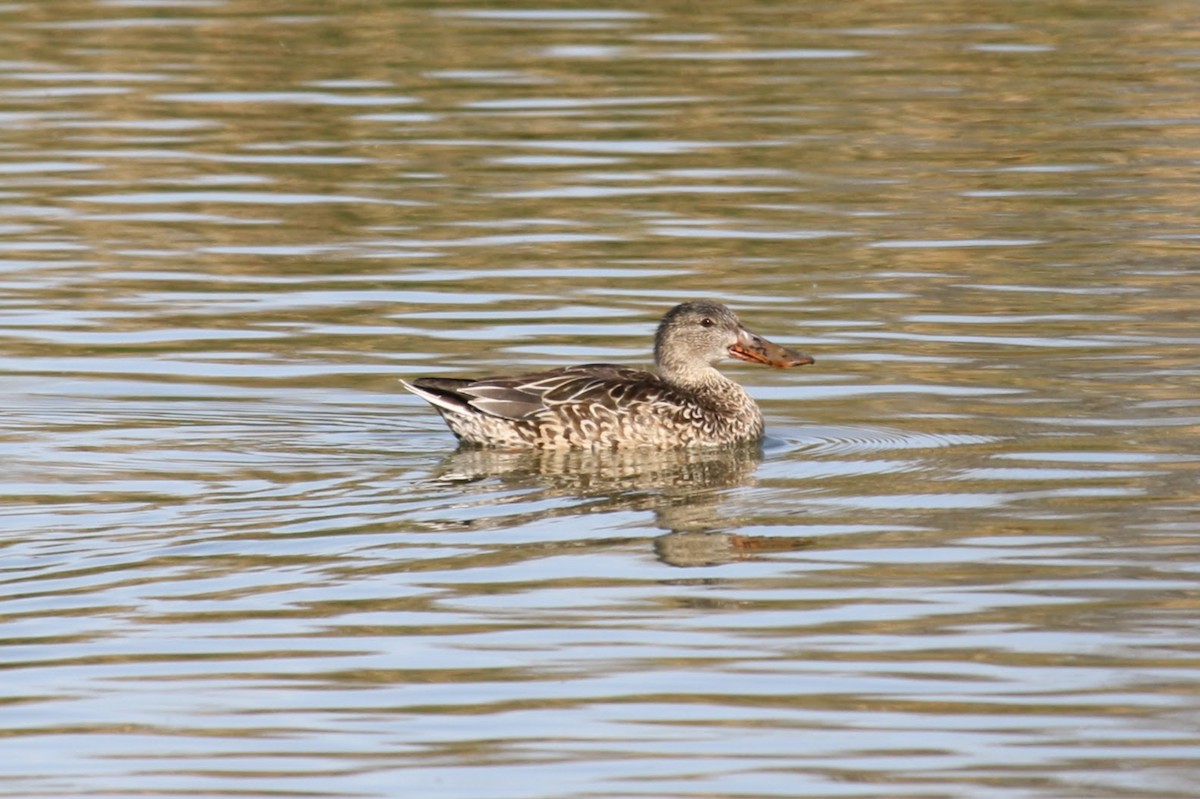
433, 399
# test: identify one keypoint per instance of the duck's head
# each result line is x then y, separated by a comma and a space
701, 333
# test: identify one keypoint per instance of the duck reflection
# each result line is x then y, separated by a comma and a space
686, 489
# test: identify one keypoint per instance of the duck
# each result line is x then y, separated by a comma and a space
684, 402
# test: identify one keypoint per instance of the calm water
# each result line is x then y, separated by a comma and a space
238, 560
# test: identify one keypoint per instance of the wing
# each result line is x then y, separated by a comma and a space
595, 385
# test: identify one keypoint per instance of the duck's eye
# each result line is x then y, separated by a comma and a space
706, 322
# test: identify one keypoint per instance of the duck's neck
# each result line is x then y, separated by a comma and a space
724, 410
709, 386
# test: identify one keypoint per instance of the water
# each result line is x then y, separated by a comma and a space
238, 559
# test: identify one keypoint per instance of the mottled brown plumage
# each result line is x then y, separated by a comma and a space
686, 403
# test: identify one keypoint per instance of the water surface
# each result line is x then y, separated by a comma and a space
238, 559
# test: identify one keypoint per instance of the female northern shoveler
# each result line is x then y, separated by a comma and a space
687, 403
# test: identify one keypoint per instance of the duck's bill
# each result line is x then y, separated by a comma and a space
757, 349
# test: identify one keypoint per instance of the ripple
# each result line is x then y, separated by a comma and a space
858, 440
548, 15
793, 54
951, 243
290, 98
557, 103
233, 198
